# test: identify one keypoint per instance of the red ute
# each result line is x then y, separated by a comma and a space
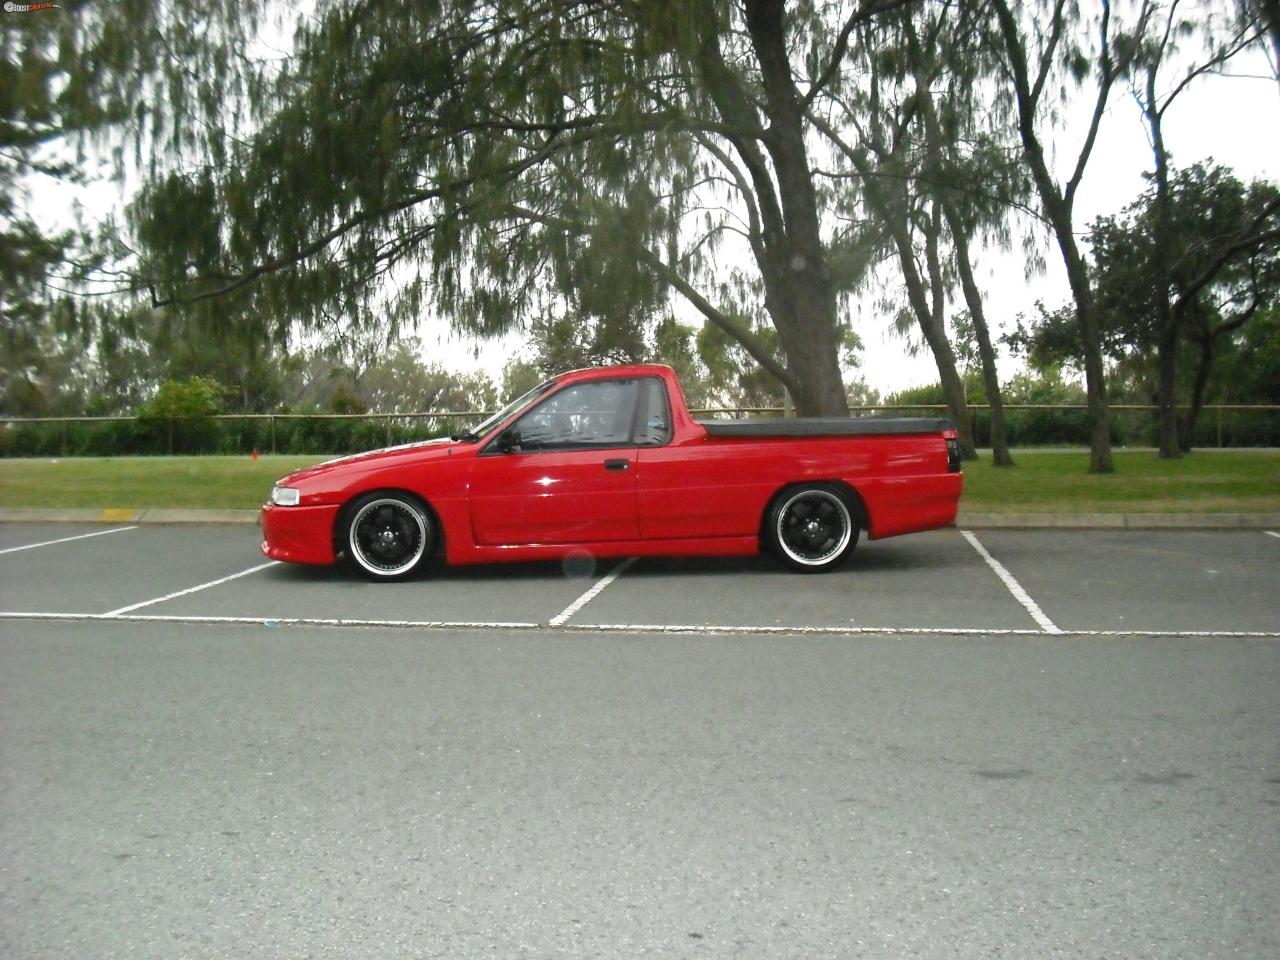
609, 462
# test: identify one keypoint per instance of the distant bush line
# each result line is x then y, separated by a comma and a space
1251, 426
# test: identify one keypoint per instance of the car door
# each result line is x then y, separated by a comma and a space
563, 473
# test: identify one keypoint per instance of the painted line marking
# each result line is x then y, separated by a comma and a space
625, 628
560, 618
197, 619
195, 589
839, 631
117, 515
83, 536
1272, 533
1047, 625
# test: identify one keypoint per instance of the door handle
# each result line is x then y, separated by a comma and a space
616, 464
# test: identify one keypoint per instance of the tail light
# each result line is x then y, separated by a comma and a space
953, 452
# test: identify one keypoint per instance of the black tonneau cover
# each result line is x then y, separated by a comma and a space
824, 426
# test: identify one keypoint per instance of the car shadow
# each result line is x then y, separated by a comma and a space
893, 555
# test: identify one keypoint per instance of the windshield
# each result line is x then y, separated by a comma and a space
478, 432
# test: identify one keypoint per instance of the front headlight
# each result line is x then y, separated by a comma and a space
285, 496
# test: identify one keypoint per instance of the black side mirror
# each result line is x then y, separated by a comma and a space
508, 441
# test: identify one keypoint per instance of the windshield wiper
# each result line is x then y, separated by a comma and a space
467, 437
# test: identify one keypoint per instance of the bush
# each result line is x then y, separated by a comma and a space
179, 418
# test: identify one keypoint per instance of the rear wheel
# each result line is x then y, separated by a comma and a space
812, 527
387, 536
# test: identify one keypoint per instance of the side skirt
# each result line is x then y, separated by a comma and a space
717, 547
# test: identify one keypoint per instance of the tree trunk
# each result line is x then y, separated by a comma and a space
929, 317
1166, 390
809, 334
960, 239
1094, 372
1166, 316
1197, 394
944, 355
1057, 206
1059, 216
791, 256
990, 376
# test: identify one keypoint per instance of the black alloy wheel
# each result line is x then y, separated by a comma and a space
812, 528
387, 536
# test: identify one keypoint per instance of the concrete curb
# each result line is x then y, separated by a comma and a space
1118, 521
973, 520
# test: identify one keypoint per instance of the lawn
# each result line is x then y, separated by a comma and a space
1208, 481
211, 483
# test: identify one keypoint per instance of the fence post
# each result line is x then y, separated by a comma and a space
388, 429
1218, 417
273, 433
171, 436
64, 438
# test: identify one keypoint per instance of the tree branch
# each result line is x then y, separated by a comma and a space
869, 9
650, 259
1249, 237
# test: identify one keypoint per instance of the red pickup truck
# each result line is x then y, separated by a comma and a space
608, 462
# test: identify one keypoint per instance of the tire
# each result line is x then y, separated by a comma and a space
812, 527
387, 536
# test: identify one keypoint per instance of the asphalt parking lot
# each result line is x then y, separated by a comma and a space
1001, 743
1064, 581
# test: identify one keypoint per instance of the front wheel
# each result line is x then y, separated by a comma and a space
387, 536
811, 528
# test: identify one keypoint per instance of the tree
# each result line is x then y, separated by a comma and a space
361, 374
505, 160
1221, 241
1033, 48
1155, 52
954, 117
933, 167
35, 323
1268, 11
891, 193
1251, 361
1189, 263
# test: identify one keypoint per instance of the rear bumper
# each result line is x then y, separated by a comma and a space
298, 534
911, 504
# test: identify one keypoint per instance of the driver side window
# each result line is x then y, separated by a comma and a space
587, 415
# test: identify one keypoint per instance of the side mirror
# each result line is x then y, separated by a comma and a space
508, 441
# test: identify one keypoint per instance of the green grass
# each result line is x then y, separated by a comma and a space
209, 483
1209, 481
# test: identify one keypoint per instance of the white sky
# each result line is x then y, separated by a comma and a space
1235, 120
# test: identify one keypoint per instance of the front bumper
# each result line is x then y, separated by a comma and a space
298, 534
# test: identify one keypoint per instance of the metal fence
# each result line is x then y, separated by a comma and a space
1219, 425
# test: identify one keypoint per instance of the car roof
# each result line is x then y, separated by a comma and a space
615, 371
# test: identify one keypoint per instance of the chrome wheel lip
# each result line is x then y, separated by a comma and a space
841, 543
371, 565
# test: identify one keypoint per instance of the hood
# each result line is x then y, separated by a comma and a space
420, 452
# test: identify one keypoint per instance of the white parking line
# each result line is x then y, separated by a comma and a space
701, 629
198, 619
591, 594
83, 536
1271, 533
1014, 587
196, 589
